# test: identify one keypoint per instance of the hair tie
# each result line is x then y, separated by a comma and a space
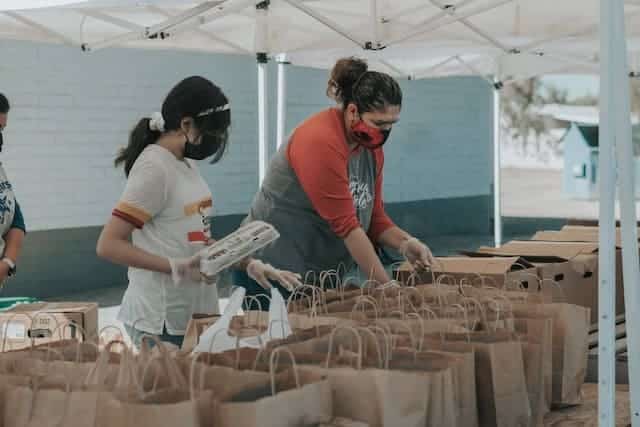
156, 122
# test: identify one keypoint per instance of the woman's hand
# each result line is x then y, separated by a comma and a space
189, 269
417, 253
263, 273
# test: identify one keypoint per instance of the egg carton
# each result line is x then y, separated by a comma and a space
237, 246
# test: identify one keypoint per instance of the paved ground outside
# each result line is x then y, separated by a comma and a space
537, 193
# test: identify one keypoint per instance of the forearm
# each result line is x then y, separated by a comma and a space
393, 238
364, 254
124, 253
13, 244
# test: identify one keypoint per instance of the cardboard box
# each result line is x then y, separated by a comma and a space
498, 271
589, 234
589, 222
573, 265
48, 322
574, 233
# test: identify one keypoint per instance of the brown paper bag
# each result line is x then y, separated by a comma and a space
503, 400
343, 422
534, 376
570, 346
447, 405
218, 373
47, 398
464, 375
538, 361
295, 397
385, 397
169, 407
7, 384
28, 406
155, 392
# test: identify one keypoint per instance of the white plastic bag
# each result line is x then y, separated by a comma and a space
216, 338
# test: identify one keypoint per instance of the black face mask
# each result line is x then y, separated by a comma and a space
208, 146
1, 141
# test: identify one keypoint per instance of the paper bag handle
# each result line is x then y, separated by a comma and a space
422, 328
173, 371
358, 339
382, 361
442, 280
100, 365
273, 363
362, 301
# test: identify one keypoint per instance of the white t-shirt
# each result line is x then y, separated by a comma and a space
170, 204
7, 206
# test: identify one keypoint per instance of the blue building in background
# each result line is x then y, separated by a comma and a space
579, 178
581, 149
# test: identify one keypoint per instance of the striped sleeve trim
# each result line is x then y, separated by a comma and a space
194, 208
131, 214
128, 218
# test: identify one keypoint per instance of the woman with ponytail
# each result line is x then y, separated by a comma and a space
323, 189
162, 220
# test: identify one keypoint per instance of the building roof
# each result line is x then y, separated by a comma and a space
579, 114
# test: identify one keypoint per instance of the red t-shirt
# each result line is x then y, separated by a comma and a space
319, 155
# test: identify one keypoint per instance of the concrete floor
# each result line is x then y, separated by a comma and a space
537, 193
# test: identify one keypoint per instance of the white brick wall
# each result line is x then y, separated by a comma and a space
72, 111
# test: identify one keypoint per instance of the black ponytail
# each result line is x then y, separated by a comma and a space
194, 97
139, 137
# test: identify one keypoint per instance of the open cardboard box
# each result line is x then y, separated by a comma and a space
573, 265
497, 271
47, 322
574, 233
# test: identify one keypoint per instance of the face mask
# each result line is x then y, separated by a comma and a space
369, 137
208, 146
1, 141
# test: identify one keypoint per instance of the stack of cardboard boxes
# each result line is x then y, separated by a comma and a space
565, 261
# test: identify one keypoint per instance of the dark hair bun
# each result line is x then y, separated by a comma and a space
344, 75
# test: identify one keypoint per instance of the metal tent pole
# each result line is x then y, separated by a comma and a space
607, 243
282, 99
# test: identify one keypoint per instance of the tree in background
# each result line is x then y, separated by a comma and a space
521, 122
520, 101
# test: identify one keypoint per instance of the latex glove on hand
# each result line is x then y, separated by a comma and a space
188, 269
263, 273
417, 253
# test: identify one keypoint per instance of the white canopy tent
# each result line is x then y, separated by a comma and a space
502, 40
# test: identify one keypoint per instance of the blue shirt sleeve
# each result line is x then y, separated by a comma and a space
18, 219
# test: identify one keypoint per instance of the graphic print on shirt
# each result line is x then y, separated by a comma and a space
7, 202
360, 193
203, 208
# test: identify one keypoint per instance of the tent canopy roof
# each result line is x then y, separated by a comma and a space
412, 38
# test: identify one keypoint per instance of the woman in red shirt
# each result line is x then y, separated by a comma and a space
323, 189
